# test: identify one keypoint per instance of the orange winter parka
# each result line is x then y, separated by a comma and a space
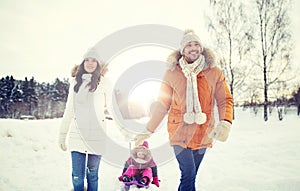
212, 88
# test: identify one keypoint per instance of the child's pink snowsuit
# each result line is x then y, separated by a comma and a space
133, 171
136, 167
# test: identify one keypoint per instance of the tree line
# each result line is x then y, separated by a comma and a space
255, 43
280, 103
29, 98
19, 98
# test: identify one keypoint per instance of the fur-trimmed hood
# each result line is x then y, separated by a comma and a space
173, 59
145, 150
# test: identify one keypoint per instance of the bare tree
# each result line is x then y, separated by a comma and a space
234, 37
274, 39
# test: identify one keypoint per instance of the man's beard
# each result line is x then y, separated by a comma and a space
190, 60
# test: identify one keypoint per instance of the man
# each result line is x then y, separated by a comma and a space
191, 87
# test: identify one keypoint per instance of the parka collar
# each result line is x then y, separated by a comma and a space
174, 57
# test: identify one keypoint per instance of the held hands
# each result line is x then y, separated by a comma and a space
62, 142
221, 132
139, 139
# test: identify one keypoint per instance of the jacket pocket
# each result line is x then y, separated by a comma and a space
175, 116
175, 121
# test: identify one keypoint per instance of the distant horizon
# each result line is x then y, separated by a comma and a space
35, 78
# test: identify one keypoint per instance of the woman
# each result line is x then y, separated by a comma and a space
84, 121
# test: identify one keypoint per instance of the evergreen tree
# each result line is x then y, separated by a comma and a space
17, 93
33, 99
30, 98
297, 100
58, 96
2, 97
59, 90
7, 85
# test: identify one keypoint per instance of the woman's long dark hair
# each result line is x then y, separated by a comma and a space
96, 75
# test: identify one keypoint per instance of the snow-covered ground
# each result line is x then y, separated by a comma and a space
258, 156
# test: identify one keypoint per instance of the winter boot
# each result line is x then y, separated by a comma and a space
146, 176
144, 181
126, 178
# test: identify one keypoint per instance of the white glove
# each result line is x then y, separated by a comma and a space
221, 131
139, 139
62, 142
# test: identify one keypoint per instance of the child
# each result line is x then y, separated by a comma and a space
140, 167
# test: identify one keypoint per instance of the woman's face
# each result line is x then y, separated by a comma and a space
90, 65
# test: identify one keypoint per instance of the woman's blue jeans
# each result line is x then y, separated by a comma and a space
189, 162
80, 169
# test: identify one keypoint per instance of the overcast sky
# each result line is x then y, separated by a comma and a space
45, 39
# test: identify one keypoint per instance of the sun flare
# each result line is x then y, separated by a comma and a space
145, 93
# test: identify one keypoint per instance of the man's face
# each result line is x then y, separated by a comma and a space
192, 51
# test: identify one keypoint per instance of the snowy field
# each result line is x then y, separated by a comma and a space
258, 156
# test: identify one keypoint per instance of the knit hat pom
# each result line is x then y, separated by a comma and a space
189, 118
189, 36
145, 144
189, 31
200, 118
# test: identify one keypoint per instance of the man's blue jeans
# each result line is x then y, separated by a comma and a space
189, 162
80, 169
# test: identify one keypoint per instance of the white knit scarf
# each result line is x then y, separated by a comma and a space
193, 107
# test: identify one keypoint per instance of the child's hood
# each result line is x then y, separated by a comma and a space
141, 148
